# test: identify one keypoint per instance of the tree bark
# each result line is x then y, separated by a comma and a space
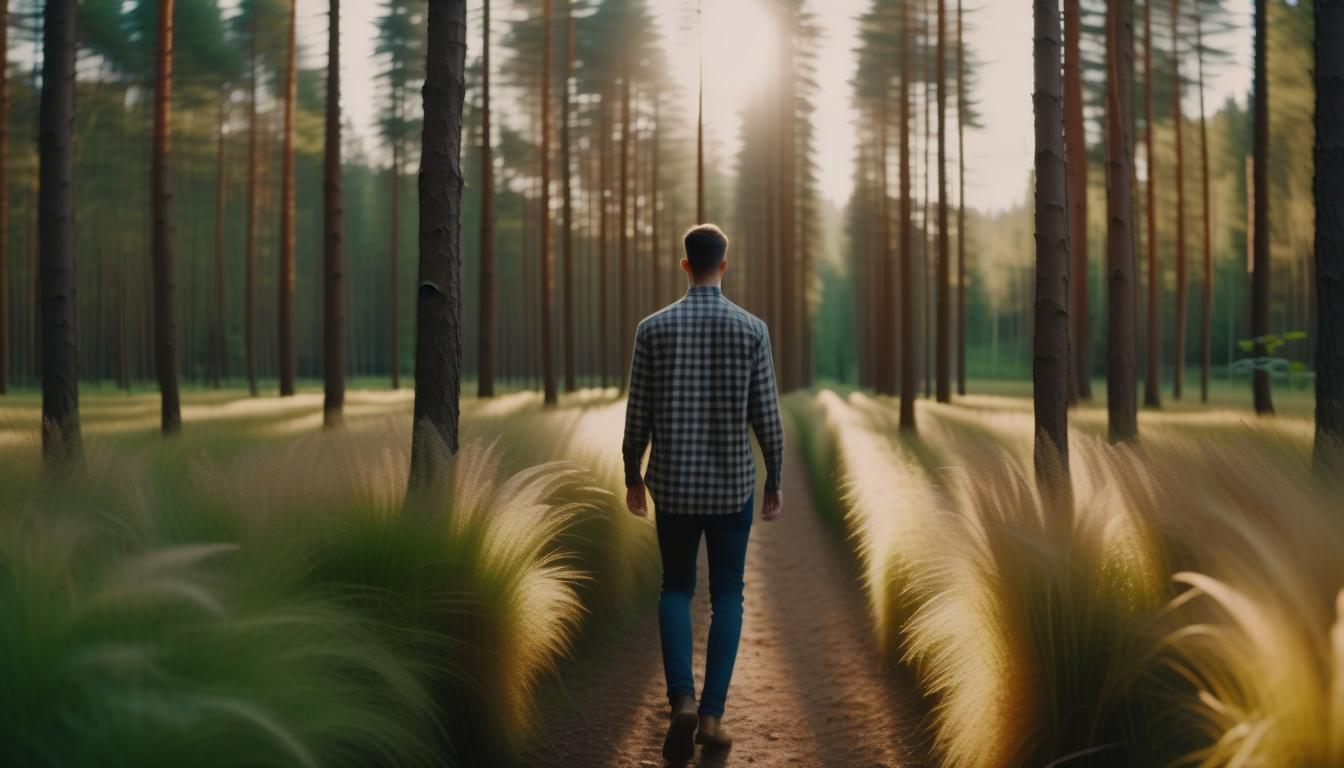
485, 362
1075, 147
165, 320
623, 299
438, 338
253, 192
394, 252
61, 441
907, 332
1050, 359
547, 327
603, 233
1121, 329
1264, 403
5, 305
943, 386
1206, 314
567, 204
221, 202
1152, 379
333, 226
700, 125
1178, 335
887, 378
961, 206
655, 245
285, 312
1329, 192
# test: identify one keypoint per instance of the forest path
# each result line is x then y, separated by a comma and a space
808, 690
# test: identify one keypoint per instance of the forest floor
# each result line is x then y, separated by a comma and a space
809, 688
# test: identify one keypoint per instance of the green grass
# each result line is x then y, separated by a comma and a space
252, 592
1187, 612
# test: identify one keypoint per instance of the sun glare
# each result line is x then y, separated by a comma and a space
736, 41
739, 49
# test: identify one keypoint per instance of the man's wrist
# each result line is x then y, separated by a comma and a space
635, 483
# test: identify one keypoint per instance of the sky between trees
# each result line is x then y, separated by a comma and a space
998, 31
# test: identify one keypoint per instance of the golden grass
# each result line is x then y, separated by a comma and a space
1186, 613
473, 595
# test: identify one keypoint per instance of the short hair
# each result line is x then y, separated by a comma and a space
706, 245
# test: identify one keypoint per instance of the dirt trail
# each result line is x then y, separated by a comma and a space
808, 689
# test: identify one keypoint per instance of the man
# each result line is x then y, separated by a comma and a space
701, 373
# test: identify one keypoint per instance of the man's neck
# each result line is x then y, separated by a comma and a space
707, 284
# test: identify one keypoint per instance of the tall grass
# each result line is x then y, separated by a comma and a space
1184, 614
257, 593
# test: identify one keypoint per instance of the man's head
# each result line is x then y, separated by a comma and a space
706, 249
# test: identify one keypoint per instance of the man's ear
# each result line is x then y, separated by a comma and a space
686, 265
723, 266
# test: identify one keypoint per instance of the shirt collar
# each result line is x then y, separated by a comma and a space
704, 291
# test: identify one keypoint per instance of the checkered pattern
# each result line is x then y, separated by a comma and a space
701, 373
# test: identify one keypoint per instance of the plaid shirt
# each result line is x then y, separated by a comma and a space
702, 371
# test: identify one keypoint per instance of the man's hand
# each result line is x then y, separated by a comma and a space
636, 500
774, 504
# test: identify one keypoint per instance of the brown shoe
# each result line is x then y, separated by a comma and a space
711, 733
679, 746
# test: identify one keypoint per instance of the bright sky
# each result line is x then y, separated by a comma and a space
736, 40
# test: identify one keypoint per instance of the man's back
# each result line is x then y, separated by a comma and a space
702, 372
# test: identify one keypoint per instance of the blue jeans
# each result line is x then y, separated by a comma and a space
679, 544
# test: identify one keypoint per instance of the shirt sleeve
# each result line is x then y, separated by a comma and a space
638, 409
763, 413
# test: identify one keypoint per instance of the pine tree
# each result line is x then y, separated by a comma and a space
1260, 276
165, 319
1329, 193
1121, 329
61, 441
1050, 367
333, 228
438, 337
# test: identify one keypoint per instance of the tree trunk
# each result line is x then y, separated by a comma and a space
655, 245
485, 362
5, 304
1075, 147
567, 203
603, 231
1050, 358
887, 378
943, 386
165, 320
623, 299
1152, 379
61, 442
253, 192
546, 326
285, 312
438, 337
1206, 314
961, 206
333, 226
1264, 404
221, 202
700, 125
786, 314
394, 253
1178, 335
907, 333
1329, 190
1121, 329
928, 241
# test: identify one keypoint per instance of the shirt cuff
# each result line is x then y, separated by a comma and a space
633, 478
772, 482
